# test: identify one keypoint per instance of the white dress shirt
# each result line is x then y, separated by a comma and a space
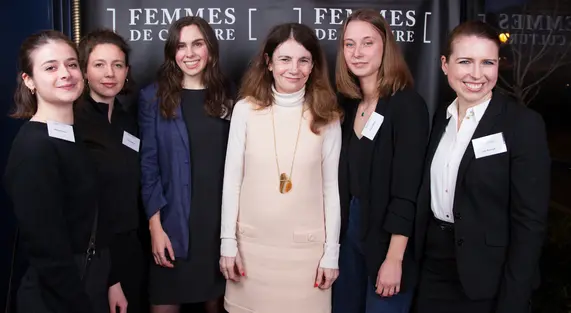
447, 158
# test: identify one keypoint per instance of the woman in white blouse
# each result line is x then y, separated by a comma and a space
280, 204
482, 207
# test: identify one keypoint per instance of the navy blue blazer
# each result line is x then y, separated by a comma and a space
165, 168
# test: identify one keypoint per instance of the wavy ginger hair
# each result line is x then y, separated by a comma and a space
393, 74
319, 95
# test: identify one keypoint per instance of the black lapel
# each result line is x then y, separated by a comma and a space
382, 105
439, 124
484, 128
350, 111
438, 128
370, 149
382, 108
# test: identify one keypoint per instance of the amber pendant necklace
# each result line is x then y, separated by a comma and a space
285, 180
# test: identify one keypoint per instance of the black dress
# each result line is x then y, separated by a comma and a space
197, 278
52, 185
119, 176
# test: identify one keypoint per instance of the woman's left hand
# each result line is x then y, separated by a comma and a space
388, 278
117, 299
326, 277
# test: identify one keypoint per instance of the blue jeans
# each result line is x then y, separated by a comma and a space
354, 290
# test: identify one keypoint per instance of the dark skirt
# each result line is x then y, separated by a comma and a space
197, 279
32, 297
440, 289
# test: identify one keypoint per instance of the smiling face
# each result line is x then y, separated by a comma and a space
106, 72
472, 68
56, 76
363, 49
192, 53
291, 65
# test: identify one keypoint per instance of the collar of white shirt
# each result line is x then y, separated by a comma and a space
476, 111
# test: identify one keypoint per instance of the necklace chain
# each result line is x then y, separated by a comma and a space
367, 105
295, 148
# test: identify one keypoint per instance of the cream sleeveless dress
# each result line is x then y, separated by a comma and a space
281, 237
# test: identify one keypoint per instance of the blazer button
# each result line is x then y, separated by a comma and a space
185, 161
460, 242
457, 216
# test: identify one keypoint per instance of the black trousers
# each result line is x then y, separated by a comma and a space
33, 297
440, 289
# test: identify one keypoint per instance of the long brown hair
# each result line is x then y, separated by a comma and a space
319, 95
26, 103
394, 73
218, 99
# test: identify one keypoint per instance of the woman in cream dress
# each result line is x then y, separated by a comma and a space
280, 204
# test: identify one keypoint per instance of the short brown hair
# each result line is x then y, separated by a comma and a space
99, 37
26, 103
319, 95
476, 28
218, 100
394, 73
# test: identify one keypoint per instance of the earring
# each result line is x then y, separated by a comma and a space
33, 91
126, 80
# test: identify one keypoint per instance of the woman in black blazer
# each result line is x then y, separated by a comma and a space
483, 203
384, 140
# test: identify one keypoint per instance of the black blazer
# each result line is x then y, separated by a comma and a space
500, 206
389, 194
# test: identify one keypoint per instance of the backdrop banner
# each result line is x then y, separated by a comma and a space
419, 26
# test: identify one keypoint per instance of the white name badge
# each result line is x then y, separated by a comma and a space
131, 141
373, 124
489, 145
60, 131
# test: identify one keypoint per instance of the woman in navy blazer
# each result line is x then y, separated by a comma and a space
184, 133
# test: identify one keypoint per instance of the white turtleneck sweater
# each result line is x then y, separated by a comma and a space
233, 178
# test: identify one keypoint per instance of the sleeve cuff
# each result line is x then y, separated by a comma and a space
155, 205
116, 256
398, 225
228, 247
330, 257
112, 281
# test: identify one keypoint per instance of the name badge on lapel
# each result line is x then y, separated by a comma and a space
373, 125
61, 131
489, 145
131, 141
